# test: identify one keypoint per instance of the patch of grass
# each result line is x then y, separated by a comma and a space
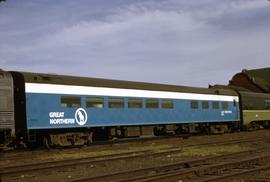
211, 150
188, 151
101, 153
149, 147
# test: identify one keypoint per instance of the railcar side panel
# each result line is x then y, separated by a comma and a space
44, 111
255, 107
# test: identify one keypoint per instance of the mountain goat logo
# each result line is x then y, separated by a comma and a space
81, 116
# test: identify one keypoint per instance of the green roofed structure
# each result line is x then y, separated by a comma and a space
256, 80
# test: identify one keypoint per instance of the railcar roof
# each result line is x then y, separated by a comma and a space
98, 82
255, 94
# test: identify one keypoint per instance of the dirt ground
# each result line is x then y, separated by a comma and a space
187, 152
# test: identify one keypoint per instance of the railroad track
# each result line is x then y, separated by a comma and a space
13, 154
34, 154
219, 168
98, 144
30, 168
118, 156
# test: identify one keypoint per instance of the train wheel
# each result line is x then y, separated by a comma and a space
253, 126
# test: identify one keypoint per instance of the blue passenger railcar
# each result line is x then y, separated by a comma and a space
60, 106
64, 110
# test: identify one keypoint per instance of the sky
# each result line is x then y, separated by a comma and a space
191, 43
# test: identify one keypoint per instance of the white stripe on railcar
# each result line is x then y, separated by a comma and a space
120, 92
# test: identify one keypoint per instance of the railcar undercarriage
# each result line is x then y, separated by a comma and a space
65, 138
58, 138
5, 138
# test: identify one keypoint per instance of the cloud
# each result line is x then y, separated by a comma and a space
177, 42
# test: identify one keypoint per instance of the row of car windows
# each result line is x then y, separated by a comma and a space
98, 102
205, 105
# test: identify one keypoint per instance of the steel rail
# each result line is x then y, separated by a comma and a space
184, 168
105, 158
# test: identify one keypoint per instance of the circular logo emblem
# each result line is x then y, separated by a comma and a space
81, 116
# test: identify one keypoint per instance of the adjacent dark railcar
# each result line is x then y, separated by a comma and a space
255, 109
7, 122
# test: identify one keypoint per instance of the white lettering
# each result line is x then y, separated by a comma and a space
58, 118
62, 121
225, 112
57, 114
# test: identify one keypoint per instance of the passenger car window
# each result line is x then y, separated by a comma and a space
134, 103
215, 105
225, 105
167, 104
71, 101
95, 102
116, 103
151, 103
194, 104
205, 104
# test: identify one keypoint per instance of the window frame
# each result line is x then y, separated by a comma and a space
214, 104
68, 103
205, 104
164, 103
135, 101
95, 101
147, 106
194, 104
112, 100
224, 105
